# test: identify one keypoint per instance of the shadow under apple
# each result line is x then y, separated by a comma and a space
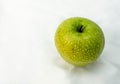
99, 72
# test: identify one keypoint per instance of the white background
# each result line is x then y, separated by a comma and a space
27, 51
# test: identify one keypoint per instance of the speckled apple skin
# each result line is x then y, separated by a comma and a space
79, 48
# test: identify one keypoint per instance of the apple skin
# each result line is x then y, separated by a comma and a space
79, 41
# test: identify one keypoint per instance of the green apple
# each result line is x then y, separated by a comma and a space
79, 41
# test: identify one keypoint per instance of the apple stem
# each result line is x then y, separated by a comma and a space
80, 29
